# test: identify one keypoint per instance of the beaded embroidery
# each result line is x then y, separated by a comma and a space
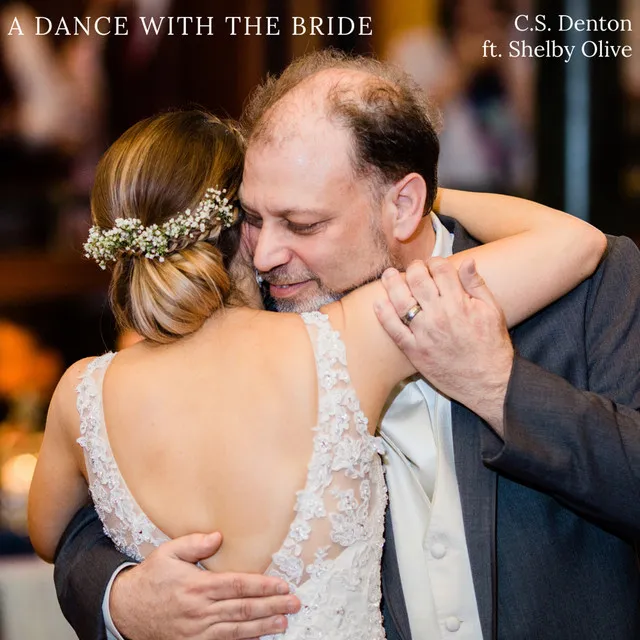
331, 556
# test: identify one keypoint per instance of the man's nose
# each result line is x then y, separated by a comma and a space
270, 250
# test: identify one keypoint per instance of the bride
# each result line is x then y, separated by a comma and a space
228, 417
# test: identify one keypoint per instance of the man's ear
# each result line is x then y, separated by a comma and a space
406, 200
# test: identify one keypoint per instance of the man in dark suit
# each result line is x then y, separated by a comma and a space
549, 478
547, 448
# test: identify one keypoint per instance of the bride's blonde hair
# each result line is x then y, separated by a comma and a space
159, 167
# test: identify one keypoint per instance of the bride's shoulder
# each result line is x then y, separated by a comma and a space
72, 376
63, 413
267, 321
65, 394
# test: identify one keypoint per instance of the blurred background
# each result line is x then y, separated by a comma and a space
565, 134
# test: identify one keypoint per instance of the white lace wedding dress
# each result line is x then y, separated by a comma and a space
331, 555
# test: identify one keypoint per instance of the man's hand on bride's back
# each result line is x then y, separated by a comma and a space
167, 596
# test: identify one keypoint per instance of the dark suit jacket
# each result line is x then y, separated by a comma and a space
551, 514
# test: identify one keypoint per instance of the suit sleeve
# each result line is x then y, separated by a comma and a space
84, 563
583, 446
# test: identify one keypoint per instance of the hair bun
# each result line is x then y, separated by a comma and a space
163, 165
171, 299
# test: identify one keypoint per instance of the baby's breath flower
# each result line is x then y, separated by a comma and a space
129, 235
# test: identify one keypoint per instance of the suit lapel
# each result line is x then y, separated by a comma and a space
477, 486
478, 490
394, 609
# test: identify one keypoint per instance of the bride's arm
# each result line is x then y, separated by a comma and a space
58, 488
536, 254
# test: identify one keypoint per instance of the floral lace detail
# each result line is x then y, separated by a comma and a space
331, 556
123, 519
332, 553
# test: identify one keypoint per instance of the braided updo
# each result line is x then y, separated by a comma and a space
159, 167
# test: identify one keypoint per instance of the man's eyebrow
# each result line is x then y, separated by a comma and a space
283, 213
247, 208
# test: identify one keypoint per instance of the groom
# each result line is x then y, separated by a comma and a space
517, 521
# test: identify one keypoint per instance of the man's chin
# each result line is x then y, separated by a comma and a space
293, 305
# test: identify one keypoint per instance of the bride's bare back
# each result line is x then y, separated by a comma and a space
311, 513
202, 435
214, 432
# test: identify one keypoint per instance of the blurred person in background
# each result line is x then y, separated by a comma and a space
51, 133
147, 72
486, 140
64, 99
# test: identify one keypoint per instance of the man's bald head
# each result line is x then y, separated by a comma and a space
391, 124
312, 97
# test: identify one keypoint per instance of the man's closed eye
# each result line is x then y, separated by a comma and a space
304, 229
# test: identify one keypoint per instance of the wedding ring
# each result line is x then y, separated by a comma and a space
411, 314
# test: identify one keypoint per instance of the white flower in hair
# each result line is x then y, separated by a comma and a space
129, 235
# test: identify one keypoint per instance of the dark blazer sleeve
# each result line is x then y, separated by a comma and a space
583, 445
84, 563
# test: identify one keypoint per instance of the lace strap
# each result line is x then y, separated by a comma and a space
124, 520
331, 556
330, 352
89, 396
337, 398
337, 480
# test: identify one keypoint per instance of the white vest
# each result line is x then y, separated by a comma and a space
425, 506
